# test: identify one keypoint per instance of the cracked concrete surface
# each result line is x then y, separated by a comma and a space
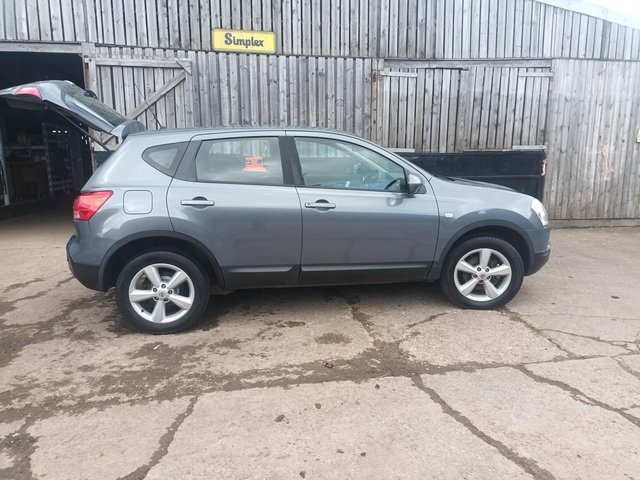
342, 382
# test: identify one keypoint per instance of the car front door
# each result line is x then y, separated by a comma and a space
234, 195
359, 223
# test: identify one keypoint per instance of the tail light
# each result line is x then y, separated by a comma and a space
33, 91
87, 204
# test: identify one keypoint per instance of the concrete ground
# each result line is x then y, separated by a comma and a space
349, 382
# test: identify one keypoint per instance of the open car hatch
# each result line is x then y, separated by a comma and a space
72, 102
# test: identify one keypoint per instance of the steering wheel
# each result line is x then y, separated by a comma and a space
392, 182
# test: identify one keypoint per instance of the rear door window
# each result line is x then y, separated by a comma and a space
249, 160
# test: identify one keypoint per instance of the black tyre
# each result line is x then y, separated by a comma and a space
482, 273
162, 292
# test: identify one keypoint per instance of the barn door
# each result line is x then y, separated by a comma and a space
503, 108
418, 108
473, 107
154, 87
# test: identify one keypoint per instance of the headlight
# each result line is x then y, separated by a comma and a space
536, 206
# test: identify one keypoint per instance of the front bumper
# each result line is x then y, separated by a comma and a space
87, 275
539, 261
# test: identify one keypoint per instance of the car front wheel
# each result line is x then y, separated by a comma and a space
482, 273
162, 292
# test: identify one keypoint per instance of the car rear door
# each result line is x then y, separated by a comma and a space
234, 194
71, 101
359, 224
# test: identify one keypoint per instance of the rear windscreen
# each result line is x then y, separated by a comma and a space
76, 97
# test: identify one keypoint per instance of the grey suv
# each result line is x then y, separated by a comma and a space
175, 215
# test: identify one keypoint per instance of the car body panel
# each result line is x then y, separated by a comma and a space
390, 235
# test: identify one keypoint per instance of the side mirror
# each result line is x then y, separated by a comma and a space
413, 184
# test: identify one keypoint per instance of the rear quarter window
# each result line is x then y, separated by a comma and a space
165, 158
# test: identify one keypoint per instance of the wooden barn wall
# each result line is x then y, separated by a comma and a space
476, 107
355, 28
278, 90
593, 159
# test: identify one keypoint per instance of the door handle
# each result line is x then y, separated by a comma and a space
320, 204
198, 202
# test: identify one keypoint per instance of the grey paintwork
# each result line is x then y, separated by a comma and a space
264, 236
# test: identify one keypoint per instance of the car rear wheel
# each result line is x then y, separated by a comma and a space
482, 273
162, 292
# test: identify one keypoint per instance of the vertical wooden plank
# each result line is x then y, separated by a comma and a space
244, 90
222, 61
499, 16
283, 119
357, 89
443, 138
274, 91
410, 122
448, 30
66, 19
9, 20
501, 112
483, 48
57, 34
402, 119
527, 107
234, 89
476, 46
369, 99
313, 91
421, 29
418, 107
202, 25
33, 21
412, 32
22, 26
495, 29
383, 29
393, 28
432, 24
345, 26
434, 112
331, 92
339, 94
402, 32
527, 24
438, 24
326, 27
262, 79
349, 94
119, 36
385, 112
293, 106
453, 110
307, 27
302, 68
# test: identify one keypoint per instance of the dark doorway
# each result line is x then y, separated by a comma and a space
42, 155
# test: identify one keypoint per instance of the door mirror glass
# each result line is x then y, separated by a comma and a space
413, 183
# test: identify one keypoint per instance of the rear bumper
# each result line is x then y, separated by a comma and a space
539, 261
87, 275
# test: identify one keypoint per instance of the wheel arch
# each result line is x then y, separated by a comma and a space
506, 231
133, 245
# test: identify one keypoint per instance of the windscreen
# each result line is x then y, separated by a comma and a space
74, 96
